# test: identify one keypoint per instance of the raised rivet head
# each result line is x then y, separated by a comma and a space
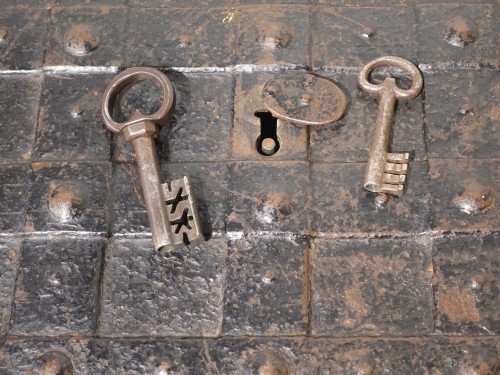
3, 34
270, 363
382, 199
80, 40
305, 99
460, 31
269, 277
475, 200
274, 36
367, 33
76, 111
67, 201
466, 109
53, 362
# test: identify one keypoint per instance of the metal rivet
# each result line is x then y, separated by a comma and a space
381, 200
269, 277
460, 32
3, 34
67, 201
466, 109
305, 99
184, 41
367, 33
476, 282
274, 37
81, 40
270, 363
54, 362
475, 201
76, 111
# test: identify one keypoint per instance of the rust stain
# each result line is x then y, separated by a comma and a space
380, 264
105, 9
165, 366
348, 355
52, 367
104, 363
20, 296
458, 305
26, 155
489, 368
495, 113
355, 301
346, 195
348, 323
272, 330
271, 363
29, 226
236, 218
434, 172
281, 202
40, 165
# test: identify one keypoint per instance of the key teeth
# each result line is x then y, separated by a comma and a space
396, 168
395, 171
395, 179
181, 212
392, 189
398, 157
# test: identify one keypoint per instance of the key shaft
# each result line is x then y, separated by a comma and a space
380, 138
152, 190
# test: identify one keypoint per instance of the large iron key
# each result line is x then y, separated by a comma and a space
171, 208
386, 171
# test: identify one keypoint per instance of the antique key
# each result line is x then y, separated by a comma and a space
386, 171
171, 209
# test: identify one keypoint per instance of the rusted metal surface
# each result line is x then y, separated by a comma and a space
56, 290
386, 171
304, 99
191, 292
303, 271
171, 210
355, 301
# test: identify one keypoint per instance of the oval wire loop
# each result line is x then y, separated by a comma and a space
125, 79
406, 65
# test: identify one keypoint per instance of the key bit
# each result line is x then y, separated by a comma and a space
386, 171
171, 208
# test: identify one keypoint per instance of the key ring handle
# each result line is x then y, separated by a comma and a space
126, 78
406, 65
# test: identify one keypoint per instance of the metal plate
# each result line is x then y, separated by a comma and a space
304, 99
